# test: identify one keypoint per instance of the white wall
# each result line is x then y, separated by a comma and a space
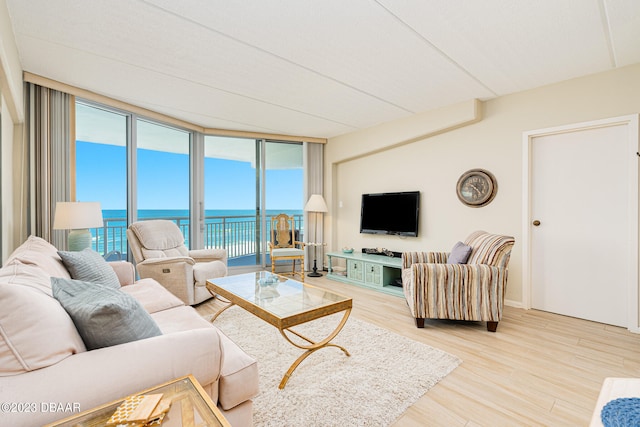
433, 165
11, 93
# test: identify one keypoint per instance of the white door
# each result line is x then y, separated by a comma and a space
581, 209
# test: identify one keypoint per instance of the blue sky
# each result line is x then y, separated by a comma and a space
163, 181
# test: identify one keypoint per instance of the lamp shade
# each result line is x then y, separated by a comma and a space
77, 215
316, 204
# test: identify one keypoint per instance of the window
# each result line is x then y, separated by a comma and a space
141, 169
101, 173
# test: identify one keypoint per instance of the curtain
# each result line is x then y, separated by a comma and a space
314, 175
49, 133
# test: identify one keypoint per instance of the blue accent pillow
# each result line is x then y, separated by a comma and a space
459, 254
89, 266
102, 315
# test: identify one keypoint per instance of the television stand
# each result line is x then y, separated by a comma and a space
377, 272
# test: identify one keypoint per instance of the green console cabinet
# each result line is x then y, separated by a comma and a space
377, 272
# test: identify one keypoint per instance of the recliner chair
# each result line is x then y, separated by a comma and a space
160, 253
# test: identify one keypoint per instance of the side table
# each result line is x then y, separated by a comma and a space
190, 406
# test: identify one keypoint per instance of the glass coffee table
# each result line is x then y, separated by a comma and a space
190, 406
284, 303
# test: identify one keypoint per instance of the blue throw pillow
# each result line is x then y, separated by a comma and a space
102, 315
459, 254
89, 266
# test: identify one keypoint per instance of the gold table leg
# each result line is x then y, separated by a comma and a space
312, 347
229, 304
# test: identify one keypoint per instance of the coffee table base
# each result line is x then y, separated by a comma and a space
309, 349
314, 346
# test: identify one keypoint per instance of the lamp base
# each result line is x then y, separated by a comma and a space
79, 239
314, 273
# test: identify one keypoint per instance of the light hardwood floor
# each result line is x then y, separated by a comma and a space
537, 369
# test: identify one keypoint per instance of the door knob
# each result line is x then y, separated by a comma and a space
536, 223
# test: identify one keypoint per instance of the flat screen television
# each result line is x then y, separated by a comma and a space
390, 213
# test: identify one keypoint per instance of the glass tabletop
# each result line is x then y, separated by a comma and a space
190, 405
280, 300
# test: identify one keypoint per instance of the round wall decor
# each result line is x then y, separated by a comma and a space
476, 188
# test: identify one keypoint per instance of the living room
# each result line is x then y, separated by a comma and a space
427, 151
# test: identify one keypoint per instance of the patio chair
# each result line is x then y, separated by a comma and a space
284, 245
467, 284
160, 253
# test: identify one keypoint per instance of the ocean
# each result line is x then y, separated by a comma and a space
113, 214
234, 230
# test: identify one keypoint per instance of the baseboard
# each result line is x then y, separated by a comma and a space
512, 303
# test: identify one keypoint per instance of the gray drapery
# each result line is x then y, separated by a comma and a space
314, 173
48, 123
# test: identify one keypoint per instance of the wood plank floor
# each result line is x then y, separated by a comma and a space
538, 369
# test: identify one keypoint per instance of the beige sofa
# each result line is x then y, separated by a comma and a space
46, 372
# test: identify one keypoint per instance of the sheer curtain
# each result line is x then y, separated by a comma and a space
314, 167
49, 134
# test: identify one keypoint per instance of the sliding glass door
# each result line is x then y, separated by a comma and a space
246, 182
140, 169
283, 184
101, 173
232, 176
162, 174
123, 161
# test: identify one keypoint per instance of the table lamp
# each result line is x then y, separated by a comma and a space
315, 204
78, 217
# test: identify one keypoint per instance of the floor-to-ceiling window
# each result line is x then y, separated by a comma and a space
246, 181
140, 169
162, 174
284, 184
156, 184
232, 171
101, 172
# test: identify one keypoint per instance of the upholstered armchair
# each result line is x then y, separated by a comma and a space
160, 253
466, 284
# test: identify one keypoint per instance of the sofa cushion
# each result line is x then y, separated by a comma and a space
104, 316
459, 254
282, 252
238, 375
152, 295
38, 252
179, 319
89, 266
28, 275
35, 331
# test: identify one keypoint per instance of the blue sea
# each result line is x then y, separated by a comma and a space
143, 214
232, 229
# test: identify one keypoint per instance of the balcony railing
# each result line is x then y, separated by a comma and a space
239, 235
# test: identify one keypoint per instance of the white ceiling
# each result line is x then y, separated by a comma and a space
318, 68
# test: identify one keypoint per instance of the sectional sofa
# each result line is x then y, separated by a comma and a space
48, 371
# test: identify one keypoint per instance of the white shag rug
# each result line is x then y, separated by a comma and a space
385, 374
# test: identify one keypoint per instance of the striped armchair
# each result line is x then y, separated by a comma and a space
472, 291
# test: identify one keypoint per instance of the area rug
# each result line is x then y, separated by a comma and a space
385, 374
